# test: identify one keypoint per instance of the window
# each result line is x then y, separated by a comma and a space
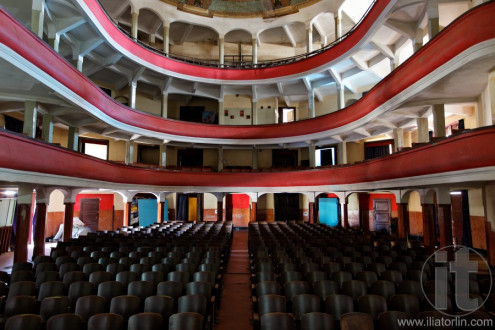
94, 147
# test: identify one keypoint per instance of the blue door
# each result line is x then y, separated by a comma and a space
165, 211
147, 211
328, 211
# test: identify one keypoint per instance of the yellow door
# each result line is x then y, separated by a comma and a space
193, 209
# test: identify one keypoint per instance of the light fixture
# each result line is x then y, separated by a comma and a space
10, 192
456, 192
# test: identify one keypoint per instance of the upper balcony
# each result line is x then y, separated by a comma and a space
82, 32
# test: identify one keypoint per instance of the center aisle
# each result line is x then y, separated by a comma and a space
235, 311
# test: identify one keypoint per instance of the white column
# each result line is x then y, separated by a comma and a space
342, 151
309, 34
38, 17
134, 24
55, 42
311, 104
439, 120
129, 155
254, 113
163, 155
221, 117
30, 118
255, 51
164, 104
340, 96
418, 41
398, 139
47, 131
132, 94
220, 159
312, 156
433, 18
255, 158
423, 135
338, 24
166, 38
78, 62
221, 51
73, 142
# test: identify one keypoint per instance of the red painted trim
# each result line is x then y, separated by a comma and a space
466, 151
478, 24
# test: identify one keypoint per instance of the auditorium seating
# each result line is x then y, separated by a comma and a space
308, 276
83, 284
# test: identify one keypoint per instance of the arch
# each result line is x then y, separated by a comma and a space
210, 207
238, 209
144, 209
238, 35
278, 34
327, 209
55, 210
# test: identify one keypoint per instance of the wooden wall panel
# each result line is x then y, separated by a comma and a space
53, 222
118, 219
415, 223
241, 217
209, 215
265, 215
106, 220
478, 232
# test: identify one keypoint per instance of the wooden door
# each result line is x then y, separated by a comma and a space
193, 209
89, 212
381, 214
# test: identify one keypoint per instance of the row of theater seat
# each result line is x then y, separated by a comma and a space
301, 269
87, 274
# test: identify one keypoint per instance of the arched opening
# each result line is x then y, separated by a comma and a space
210, 207
328, 209
238, 48
265, 210
144, 210
55, 213
189, 207
238, 209
415, 215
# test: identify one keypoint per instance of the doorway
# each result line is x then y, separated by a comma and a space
89, 212
329, 211
381, 214
286, 114
286, 207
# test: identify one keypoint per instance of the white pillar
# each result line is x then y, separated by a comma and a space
254, 113
78, 62
132, 94
164, 104
166, 38
221, 50
418, 41
312, 155
55, 42
309, 33
311, 104
221, 116
255, 51
38, 17
338, 24
439, 120
73, 142
398, 139
423, 135
220, 159
163, 155
340, 96
129, 155
342, 151
134, 24
47, 131
433, 18
30, 118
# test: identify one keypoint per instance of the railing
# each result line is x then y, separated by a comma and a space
241, 64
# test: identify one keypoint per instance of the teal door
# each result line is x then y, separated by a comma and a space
147, 211
165, 211
328, 211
